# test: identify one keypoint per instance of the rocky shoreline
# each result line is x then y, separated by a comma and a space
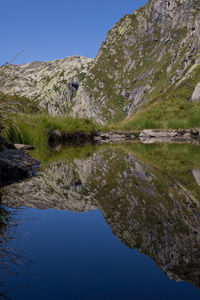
192, 135
172, 136
16, 165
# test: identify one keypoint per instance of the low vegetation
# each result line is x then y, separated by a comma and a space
47, 156
34, 129
14, 107
172, 110
171, 160
23, 122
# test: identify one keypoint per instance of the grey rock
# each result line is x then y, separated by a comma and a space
196, 174
149, 136
53, 84
15, 165
196, 93
23, 147
158, 134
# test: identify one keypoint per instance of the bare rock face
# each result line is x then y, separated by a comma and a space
145, 54
53, 84
196, 174
196, 93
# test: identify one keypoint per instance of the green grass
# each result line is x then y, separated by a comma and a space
47, 156
23, 122
13, 107
172, 110
112, 67
175, 161
34, 129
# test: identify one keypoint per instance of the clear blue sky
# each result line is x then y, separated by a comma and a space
57, 28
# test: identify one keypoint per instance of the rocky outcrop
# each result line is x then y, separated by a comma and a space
116, 136
55, 84
145, 55
196, 93
15, 165
172, 136
196, 174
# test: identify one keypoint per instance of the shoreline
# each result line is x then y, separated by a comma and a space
16, 164
191, 135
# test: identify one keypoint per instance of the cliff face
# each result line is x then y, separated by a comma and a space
145, 54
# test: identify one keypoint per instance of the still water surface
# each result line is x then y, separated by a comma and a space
108, 222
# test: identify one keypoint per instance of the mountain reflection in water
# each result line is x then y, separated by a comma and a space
148, 194
11, 257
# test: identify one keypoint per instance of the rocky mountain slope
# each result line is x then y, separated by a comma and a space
146, 54
53, 84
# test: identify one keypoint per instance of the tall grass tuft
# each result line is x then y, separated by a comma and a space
13, 108
35, 128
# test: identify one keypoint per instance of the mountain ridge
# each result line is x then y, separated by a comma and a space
144, 55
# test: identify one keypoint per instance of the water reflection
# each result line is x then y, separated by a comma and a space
12, 258
149, 195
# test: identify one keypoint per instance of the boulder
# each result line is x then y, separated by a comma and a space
196, 93
196, 174
14, 164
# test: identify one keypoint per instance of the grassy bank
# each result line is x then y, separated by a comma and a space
23, 121
13, 108
33, 129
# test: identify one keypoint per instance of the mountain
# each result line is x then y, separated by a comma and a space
53, 84
146, 55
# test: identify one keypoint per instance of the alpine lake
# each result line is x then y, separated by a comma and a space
104, 222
